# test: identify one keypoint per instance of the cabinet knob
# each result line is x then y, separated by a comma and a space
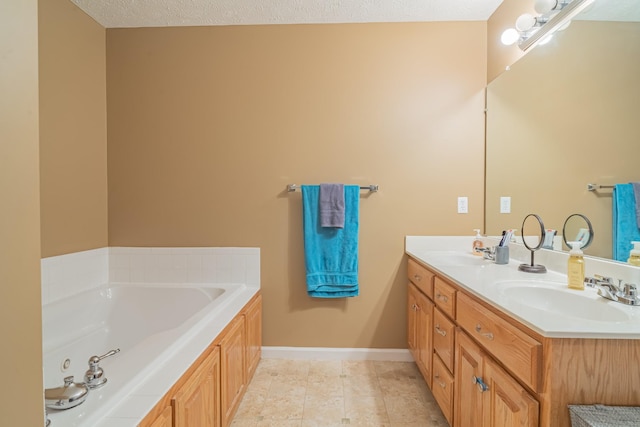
440, 331
441, 297
417, 277
440, 383
481, 384
487, 335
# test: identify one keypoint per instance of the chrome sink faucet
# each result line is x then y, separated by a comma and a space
487, 253
626, 294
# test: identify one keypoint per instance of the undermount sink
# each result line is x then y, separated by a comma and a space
556, 297
454, 258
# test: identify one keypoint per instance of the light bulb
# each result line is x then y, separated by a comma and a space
546, 39
525, 22
564, 26
545, 6
509, 36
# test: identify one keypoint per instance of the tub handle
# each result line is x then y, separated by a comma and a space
94, 377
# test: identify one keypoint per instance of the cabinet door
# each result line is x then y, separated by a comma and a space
196, 403
424, 337
254, 335
232, 368
412, 314
506, 403
443, 338
165, 419
468, 395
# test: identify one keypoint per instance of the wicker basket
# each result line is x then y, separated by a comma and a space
604, 416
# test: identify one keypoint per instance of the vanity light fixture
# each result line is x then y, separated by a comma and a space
554, 15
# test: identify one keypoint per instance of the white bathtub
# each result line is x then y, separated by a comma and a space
159, 329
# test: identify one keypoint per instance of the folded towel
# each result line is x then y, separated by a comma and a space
331, 254
636, 192
625, 225
332, 205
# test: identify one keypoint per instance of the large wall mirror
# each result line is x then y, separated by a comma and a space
565, 115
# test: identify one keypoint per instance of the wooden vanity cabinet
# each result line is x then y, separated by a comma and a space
419, 319
530, 379
486, 394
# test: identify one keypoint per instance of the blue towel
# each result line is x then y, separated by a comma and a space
636, 192
625, 225
331, 254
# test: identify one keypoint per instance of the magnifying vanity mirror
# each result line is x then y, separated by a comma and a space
570, 108
577, 228
533, 234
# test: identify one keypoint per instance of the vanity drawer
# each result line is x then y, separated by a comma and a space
509, 345
443, 338
442, 388
445, 297
421, 277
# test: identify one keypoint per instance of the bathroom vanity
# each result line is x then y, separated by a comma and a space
500, 347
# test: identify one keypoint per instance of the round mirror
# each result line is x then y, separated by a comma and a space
577, 228
533, 234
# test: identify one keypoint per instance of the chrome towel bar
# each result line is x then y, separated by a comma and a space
372, 188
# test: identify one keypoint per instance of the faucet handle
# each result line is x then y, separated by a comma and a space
630, 290
604, 279
94, 360
94, 377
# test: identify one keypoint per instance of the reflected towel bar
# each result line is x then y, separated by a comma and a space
596, 187
372, 188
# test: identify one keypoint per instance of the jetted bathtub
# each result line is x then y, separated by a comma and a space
160, 331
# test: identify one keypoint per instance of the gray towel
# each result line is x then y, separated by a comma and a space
331, 202
636, 192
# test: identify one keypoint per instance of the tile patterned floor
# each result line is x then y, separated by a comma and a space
301, 393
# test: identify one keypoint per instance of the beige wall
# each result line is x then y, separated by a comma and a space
564, 116
73, 129
20, 319
208, 125
500, 56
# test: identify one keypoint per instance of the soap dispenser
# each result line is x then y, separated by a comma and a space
575, 270
634, 255
477, 243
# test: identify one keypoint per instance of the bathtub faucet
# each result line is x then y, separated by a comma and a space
94, 377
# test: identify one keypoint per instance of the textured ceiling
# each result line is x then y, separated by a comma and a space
161, 13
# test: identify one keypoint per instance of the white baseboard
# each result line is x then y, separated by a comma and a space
327, 353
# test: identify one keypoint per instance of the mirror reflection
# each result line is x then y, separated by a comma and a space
566, 115
577, 228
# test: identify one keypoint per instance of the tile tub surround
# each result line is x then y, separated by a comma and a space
325, 393
66, 275
481, 282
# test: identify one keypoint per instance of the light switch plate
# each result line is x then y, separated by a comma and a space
463, 205
505, 204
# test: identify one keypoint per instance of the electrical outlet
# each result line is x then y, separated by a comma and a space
463, 205
505, 204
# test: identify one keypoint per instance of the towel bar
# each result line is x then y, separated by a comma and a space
372, 188
596, 187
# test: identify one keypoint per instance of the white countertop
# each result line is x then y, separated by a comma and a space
492, 282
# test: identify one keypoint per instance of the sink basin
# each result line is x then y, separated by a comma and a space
454, 259
556, 297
